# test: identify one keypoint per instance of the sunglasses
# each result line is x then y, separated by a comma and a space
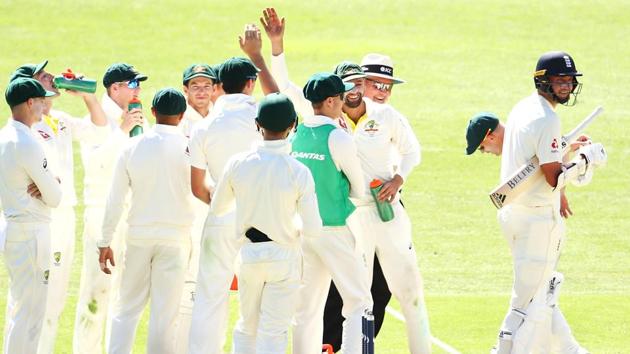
132, 84
381, 86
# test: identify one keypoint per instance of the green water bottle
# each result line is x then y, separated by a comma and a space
69, 81
135, 103
385, 210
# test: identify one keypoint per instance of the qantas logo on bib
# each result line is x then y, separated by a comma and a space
308, 155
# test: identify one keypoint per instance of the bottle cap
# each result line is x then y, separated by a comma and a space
376, 183
135, 100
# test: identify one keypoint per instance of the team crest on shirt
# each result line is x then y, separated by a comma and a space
57, 258
371, 127
46, 274
61, 125
554, 145
43, 134
187, 151
45, 164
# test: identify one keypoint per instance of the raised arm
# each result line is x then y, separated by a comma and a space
251, 44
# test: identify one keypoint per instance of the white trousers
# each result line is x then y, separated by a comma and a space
96, 287
184, 318
535, 236
332, 255
153, 270
62, 239
392, 242
27, 258
269, 277
219, 247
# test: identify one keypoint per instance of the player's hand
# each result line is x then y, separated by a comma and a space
33, 191
250, 41
565, 210
130, 119
273, 25
390, 189
106, 254
79, 94
581, 141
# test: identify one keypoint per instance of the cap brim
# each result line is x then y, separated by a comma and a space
49, 94
39, 67
353, 77
348, 86
140, 77
200, 75
470, 149
394, 79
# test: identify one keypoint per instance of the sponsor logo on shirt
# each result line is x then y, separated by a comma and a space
554, 145
45, 164
308, 155
62, 126
187, 151
44, 135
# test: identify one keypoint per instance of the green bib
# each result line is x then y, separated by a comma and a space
310, 147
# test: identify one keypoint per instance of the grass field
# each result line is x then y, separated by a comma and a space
459, 57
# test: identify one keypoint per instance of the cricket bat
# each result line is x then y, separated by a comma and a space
510, 189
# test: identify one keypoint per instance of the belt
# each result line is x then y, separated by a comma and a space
256, 236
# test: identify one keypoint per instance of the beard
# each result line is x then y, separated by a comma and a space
353, 103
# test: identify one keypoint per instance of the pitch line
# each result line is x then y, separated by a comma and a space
434, 340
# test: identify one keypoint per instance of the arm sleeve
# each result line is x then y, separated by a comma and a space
196, 149
344, 154
115, 200
34, 162
280, 73
307, 205
548, 147
223, 198
406, 144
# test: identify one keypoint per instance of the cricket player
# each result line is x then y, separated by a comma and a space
532, 223
28, 191
485, 133
198, 82
155, 168
231, 130
270, 188
330, 154
122, 84
57, 130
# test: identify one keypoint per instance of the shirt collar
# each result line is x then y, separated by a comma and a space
543, 99
275, 146
112, 109
167, 129
319, 120
19, 125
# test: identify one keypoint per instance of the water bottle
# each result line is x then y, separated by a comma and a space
385, 210
70, 81
135, 103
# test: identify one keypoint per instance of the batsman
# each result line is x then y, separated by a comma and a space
532, 223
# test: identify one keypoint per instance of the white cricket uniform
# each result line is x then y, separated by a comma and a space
155, 167
190, 120
95, 289
270, 189
532, 225
387, 146
27, 244
231, 130
334, 255
57, 131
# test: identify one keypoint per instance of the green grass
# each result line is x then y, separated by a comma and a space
459, 57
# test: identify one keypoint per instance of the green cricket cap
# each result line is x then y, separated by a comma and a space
169, 102
320, 86
479, 126
237, 70
198, 70
28, 70
216, 69
23, 88
276, 112
349, 71
120, 72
